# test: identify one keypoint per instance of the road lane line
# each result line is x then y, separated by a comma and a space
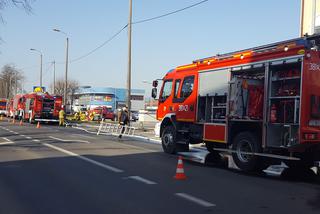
81, 141
15, 132
5, 143
195, 200
22, 135
110, 168
29, 137
35, 140
82, 135
8, 141
143, 180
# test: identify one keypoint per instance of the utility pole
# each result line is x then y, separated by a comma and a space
129, 59
66, 74
32, 49
41, 70
54, 77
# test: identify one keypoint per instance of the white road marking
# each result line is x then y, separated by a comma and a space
29, 137
143, 180
81, 141
22, 135
11, 131
7, 141
35, 140
15, 132
195, 200
82, 135
110, 168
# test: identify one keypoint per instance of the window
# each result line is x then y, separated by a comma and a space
187, 87
166, 91
176, 88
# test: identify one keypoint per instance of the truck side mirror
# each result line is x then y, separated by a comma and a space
154, 93
155, 83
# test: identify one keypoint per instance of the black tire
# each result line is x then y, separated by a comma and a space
168, 140
246, 142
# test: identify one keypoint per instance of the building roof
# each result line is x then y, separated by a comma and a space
107, 90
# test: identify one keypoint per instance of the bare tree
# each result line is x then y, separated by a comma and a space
23, 4
10, 81
72, 86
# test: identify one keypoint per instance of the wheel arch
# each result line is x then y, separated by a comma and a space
169, 119
237, 128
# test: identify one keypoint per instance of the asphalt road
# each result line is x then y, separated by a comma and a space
65, 170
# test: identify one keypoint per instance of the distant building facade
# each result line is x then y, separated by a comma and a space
115, 98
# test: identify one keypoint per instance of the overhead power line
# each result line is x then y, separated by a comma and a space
100, 46
170, 13
137, 22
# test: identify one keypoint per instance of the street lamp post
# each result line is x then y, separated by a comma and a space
129, 59
32, 49
67, 62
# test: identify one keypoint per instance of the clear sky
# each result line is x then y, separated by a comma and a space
157, 46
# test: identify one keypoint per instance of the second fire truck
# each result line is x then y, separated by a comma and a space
262, 105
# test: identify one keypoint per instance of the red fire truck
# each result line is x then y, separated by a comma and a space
262, 105
3, 106
17, 105
42, 107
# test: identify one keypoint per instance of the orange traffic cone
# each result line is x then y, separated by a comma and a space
21, 123
38, 125
180, 171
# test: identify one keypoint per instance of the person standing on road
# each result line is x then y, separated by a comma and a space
61, 116
123, 120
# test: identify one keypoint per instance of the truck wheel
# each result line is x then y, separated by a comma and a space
168, 140
246, 142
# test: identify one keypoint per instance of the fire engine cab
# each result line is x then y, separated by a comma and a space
262, 105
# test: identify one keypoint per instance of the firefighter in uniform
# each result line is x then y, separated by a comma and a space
61, 116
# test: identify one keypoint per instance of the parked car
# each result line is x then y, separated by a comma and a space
103, 112
134, 115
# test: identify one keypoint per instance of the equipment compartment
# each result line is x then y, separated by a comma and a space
283, 103
247, 93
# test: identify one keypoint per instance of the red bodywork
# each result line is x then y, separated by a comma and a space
185, 110
57, 105
41, 107
17, 105
104, 112
3, 106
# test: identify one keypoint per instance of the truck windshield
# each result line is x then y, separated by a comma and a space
166, 91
